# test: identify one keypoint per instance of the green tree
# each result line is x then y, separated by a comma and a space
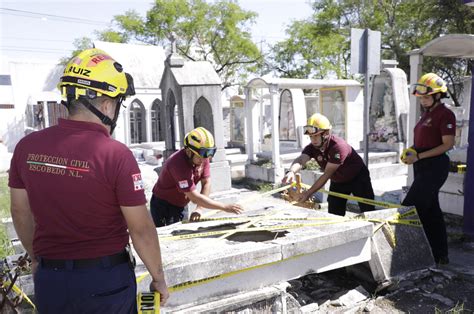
320, 46
79, 45
218, 32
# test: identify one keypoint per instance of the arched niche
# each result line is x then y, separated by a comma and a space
382, 112
237, 121
174, 125
203, 115
137, 122
287, 117
157, 125
334, 107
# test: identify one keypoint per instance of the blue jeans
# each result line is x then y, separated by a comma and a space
99, 289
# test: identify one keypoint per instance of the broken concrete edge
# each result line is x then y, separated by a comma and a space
391, 261
235, 301
143, 275
263, 254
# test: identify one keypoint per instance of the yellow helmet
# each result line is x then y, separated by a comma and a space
316, 123
201, 142
429, 84
94, 73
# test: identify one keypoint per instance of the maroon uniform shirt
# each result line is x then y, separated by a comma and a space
77, 177
340, 153
432, 126
178, 176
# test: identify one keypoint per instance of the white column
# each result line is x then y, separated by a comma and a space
416, 62
126, 125
46, 114
249, 126
275, 105
149, 137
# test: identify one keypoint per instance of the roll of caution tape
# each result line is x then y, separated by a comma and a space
407, 152
462, 169
148, 302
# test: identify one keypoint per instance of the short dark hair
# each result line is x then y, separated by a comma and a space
76, 106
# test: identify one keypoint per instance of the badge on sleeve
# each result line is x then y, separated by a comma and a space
137, 182
337, 156
449, 126
183, 184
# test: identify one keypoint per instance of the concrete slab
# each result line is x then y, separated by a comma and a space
409, 252
206, 269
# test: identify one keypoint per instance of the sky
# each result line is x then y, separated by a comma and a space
46, 29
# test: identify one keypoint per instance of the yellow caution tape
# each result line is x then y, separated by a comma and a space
148, 302
20, 293
264, 194
358, 199
389, 234
411, 212
409, 222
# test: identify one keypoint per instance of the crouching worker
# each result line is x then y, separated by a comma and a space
176, 185
340, 163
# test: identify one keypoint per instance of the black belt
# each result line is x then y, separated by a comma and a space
106, 261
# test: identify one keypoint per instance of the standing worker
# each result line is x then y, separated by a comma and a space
74, 193
340, 163
176, 185
433, 137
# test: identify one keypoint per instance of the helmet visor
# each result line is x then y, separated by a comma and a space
310, 130
421, 89
204, 152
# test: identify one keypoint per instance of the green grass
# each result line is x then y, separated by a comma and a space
457, 309
4, 197
5, 245
264, 187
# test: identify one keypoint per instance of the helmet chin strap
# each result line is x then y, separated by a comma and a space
435, 101
102, 117
324, 141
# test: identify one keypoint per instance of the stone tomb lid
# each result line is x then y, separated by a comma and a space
199, 258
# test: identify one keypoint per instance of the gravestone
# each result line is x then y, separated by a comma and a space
192, 98
400, 248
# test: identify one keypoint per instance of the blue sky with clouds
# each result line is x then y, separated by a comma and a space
42, 29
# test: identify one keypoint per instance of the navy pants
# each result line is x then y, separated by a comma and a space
99, 289
430, 175
360, 186
164, 213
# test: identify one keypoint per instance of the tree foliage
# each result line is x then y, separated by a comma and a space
79, 44
320, 46
217, 31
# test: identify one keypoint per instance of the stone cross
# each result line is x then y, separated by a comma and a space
172, 38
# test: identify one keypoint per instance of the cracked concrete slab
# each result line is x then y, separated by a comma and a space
203, 269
